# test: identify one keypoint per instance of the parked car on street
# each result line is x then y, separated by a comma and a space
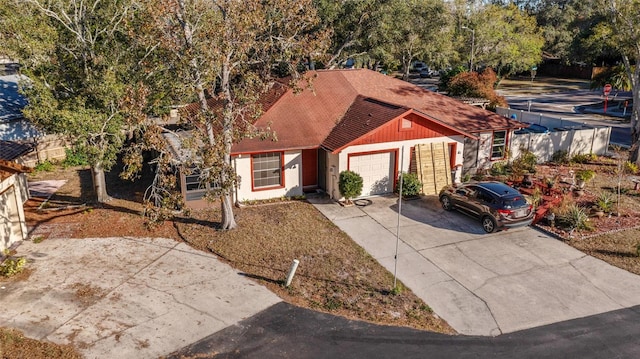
532, 128
495, 204
426, 73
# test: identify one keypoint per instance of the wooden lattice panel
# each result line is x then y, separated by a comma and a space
434, 167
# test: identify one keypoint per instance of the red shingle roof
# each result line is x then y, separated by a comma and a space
364, 115
309, 119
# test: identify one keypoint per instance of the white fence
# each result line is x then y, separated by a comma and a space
573, 137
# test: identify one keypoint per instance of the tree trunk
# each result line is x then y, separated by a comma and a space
99, 183
228, 219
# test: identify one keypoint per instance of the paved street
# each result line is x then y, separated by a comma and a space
562, 104
287, 331
484, 284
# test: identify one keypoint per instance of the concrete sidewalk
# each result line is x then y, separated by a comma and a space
125, 297
483, 284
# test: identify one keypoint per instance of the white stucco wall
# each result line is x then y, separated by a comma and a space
10, 231
292, 178
340, 160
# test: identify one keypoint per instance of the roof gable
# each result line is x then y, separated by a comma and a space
364, 115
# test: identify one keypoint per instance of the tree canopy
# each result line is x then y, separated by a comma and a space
506, 39
622, 33
77, 55
223, 54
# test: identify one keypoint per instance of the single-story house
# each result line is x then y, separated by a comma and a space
366, 122
13, 193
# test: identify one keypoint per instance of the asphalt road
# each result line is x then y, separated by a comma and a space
286, 331
562, 105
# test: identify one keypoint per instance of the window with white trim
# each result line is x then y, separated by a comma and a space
498, 144
267, 169
195, 188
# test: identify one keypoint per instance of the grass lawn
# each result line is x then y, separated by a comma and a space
335, 275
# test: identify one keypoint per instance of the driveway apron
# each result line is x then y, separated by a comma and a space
126, 297
483, 284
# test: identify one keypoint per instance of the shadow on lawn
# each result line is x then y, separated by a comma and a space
259, 277
616, 253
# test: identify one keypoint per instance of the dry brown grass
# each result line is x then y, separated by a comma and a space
335, 275
13, 344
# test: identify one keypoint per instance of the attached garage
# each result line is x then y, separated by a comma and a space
376, 169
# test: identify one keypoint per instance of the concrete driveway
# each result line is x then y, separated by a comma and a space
483, 284
125, 297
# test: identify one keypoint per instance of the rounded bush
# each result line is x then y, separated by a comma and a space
411, 185
350, 184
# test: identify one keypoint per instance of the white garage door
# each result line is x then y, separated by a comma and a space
376, 171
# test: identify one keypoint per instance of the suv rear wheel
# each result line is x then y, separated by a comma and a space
489, 224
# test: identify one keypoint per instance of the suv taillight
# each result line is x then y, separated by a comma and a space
505, 212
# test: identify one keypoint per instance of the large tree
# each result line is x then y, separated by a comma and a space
504, 38
622, 32
77, 56
351, 24
413, 30
227, 50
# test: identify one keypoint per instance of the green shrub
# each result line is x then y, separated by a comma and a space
75, 157
411, 185
12, 266
605, 201
500, 168
585, 175
573, 217
525, 162
350, 184
631, 168
46, 166
560, 157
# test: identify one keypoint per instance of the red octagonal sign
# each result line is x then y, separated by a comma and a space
607, 89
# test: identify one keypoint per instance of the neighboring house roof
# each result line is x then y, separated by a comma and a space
10, 150
342, 105
13, 126
11, 101
8, 168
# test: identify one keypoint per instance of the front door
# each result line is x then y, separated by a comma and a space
310, 169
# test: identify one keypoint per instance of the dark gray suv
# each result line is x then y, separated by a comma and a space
495, 204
